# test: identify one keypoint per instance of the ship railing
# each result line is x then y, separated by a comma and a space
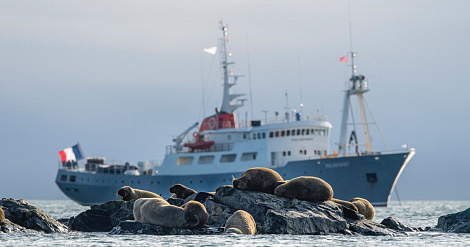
219, 147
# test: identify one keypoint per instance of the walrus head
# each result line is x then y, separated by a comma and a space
195, 213
125, 193
175, 188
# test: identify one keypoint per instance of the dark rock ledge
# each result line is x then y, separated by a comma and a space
457, 223
23, 217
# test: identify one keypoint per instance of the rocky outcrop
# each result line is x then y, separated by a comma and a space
457, 223
102, 218
273, 215
277, 215
21, 215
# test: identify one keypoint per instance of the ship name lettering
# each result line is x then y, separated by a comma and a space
337, 165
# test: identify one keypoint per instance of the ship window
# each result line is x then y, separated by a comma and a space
248, 156
287, 132
73, 178
264, 135
271, 134
226, 158
244, 136
298, 132
300, 151
254, 136
204, 160
324, 152
284, 153
312, 132
283, 133
308, 132
293, 132
228, 137
185, 160
259, 135
303, 131
63, 178
288, 153
305, 152
277, 133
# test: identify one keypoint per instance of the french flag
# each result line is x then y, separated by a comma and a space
73, 153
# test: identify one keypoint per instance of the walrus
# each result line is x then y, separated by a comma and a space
196, 213
240, 222
181, 191
364, 207
2, 215
346, 204
305, 188
127, 193
258, 179
158, 211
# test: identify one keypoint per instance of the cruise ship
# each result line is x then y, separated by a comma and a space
210, 154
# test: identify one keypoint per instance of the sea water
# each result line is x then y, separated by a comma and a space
412, 213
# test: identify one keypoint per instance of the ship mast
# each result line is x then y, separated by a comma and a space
227, 107
357, 86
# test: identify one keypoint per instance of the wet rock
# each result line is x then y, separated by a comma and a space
21, 213
394, 224
102, 218
9, 227
132, 227
371, 228
457, 223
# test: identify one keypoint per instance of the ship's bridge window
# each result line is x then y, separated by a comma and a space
226, 158
287, 132
185, 160
205, 160
63, 177
249, 156
73, 178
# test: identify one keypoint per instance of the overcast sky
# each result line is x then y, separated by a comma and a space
124, 77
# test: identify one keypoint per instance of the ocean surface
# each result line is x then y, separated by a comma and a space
411, 213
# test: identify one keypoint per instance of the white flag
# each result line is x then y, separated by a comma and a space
211, 50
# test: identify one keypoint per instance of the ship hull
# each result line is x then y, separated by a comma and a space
369, 176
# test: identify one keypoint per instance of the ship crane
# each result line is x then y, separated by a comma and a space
179, 139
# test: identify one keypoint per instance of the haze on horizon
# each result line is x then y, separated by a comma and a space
124, 77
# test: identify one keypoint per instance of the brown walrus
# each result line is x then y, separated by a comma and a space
258, 179
181, 191
364, 207
305, 188
2, 215
196, 213
346, 204
158, 211
240, 222
127, 193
